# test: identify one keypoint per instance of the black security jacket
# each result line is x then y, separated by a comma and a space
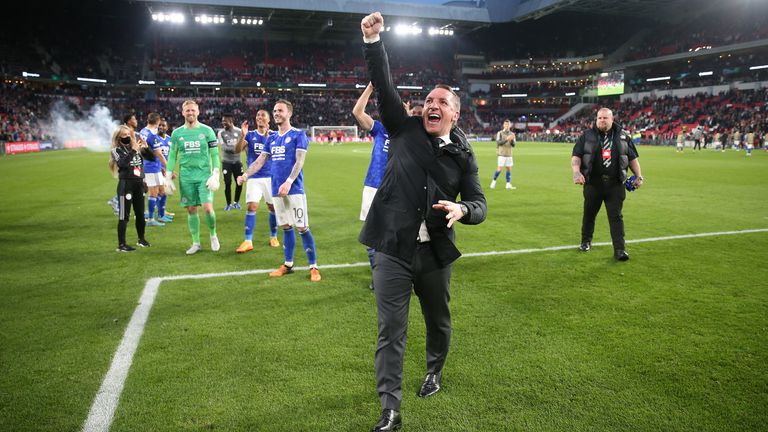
417, 176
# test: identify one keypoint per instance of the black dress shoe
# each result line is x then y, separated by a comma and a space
390, 421
621, 255
586, 246
431, 385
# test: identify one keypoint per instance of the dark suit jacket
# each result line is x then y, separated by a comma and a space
417, 176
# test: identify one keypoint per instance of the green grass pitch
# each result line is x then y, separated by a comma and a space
674, 339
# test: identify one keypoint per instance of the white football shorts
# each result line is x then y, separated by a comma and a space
291, 210
256, 188
368, 194
505, 161
154, 179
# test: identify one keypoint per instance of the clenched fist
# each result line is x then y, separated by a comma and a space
372, 25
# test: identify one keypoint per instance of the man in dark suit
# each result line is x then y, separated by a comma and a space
410, 223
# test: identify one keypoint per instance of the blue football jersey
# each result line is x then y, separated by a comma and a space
151, 166
283, 150
256, 144
164, 144
379, 155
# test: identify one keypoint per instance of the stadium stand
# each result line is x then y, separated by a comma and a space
546, 59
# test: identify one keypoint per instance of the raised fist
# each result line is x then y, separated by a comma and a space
372, 24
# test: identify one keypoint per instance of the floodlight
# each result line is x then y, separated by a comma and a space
234, 20
96, 80
261, 21
197, 19
248, 21
154, 17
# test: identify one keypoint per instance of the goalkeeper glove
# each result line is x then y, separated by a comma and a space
213, 181
170, 188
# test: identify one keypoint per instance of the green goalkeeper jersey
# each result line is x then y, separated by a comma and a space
197, 152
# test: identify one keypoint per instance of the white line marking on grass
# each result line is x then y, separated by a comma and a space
645, 240
104, 405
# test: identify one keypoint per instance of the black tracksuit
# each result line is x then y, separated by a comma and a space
130, 187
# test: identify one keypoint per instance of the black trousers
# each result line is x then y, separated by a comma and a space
393, 279
231, 172
612, 193
130, 193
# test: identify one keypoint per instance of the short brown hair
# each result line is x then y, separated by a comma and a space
288, 104
188, 102
450, 90
153, 118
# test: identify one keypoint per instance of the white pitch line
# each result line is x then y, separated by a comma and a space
105, 403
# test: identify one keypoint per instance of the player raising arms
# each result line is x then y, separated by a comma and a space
153, 176
378, 157
163, 142
195, 146
260, 183
288, 149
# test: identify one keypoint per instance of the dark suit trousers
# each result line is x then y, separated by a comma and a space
612, 193
393, 279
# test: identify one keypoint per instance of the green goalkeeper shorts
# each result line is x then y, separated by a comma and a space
194, 193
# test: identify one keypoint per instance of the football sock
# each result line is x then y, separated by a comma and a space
289, 244
308, 241
496, 175
161, 206
250, 222
151, 202
193, 221
272, 224
210, 220
509, 176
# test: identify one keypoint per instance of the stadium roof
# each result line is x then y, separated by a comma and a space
462, 13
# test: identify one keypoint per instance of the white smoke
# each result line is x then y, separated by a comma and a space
92, 130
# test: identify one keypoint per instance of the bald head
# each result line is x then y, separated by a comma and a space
604, 119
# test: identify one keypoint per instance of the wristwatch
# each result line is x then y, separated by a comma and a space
464, 208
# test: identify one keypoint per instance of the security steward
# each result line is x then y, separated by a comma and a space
599, 162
